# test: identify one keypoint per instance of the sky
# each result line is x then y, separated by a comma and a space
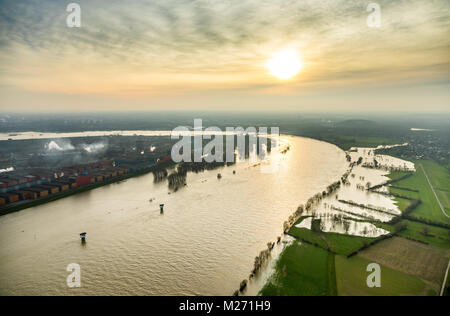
213, 55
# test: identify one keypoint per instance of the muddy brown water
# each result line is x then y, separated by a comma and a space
204, 243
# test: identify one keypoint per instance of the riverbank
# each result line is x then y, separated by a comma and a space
266, 255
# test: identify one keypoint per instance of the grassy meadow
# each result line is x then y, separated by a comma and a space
351, 277
425, 262
429, 209
302, 270
432, 235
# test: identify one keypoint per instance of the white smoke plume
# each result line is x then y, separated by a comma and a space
7, 170
61, 145
95, 148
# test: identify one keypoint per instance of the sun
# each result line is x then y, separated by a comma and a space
284, 64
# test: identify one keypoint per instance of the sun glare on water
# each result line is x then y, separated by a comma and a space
285, 64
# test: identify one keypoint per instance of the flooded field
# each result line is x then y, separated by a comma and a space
204, 243
353, 200
335, 224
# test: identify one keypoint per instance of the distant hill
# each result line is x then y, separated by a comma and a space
354, 123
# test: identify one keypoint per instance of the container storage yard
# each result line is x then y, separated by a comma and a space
61, 168
19, 190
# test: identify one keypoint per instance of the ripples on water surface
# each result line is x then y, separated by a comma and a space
204, 244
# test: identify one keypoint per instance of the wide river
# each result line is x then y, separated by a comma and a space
204, 243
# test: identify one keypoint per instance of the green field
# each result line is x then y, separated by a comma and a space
406, 193
347, 142
429, 209
337, 243
444, 197
302, 270
397, 175
402, 204
436, 236
447, 286
439, 176
351, 276
365, 142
